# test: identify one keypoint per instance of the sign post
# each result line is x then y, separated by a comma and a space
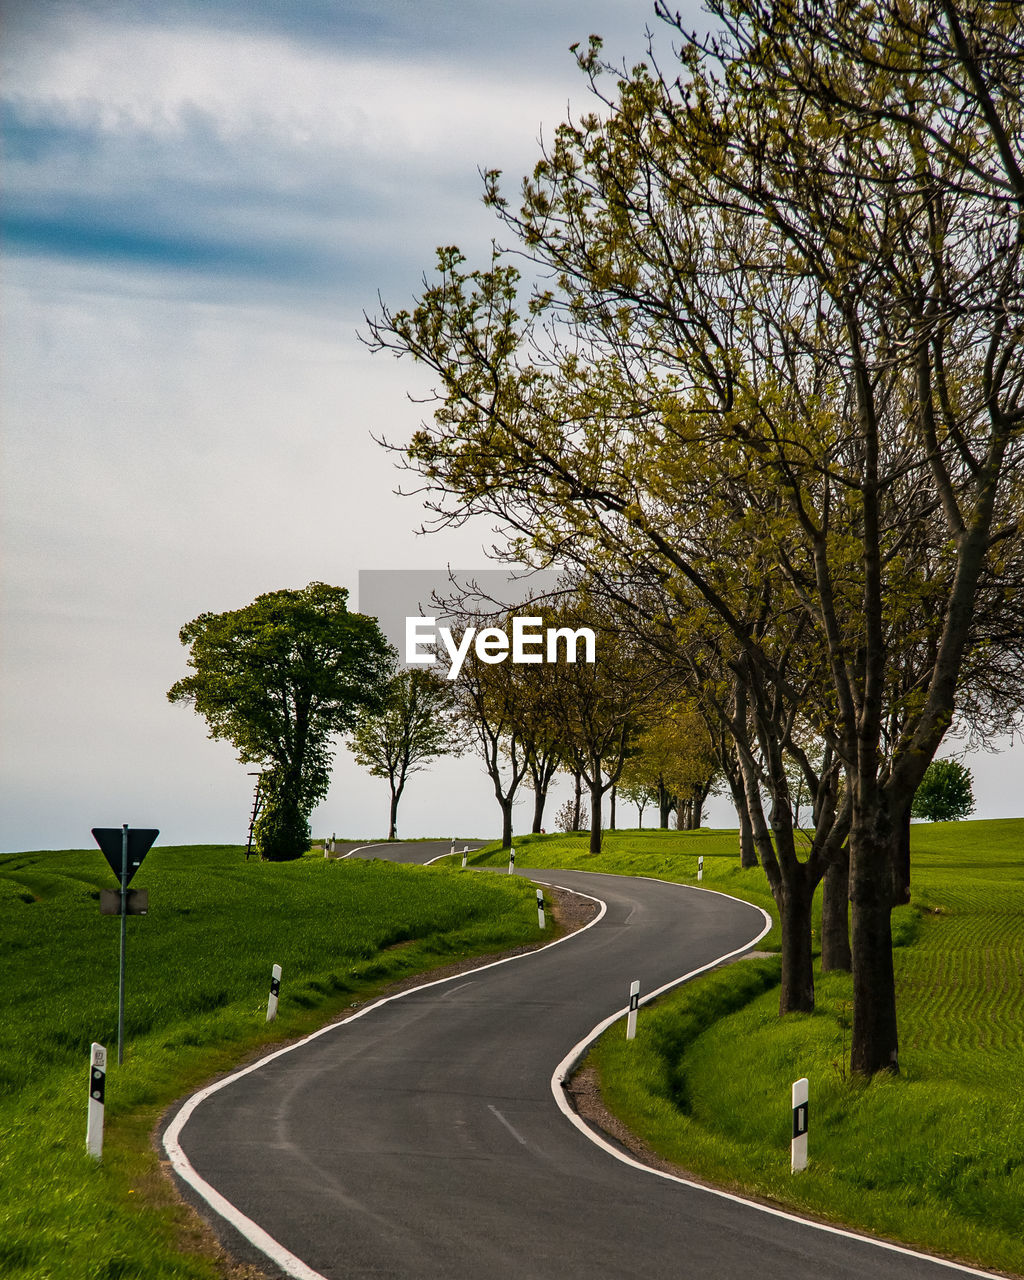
700, 867
540, 908
124, 850
634, 1005
97, 1091
511, 860
798, 1147
275, 991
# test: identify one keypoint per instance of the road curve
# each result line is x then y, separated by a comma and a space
423, 1140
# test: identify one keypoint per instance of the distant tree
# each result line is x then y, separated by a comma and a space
417, 724
278, 679
945, 793
638, 793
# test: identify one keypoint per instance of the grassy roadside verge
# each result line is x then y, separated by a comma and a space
932, 1158
198, 979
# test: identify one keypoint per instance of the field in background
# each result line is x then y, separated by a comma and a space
198, 979
933, 1158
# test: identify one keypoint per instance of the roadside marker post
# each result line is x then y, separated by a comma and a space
540, 908
511, 860
798, 1147
465, 855
275, 991
634, 1004
97, 1095
700, 867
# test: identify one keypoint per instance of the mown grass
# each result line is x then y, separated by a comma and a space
932, 1158
198, 979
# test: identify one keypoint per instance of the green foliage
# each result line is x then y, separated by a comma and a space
198, 979
945, 793
278, 679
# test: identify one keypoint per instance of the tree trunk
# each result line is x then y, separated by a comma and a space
393, 819
506, 823
595, 815
901, 895
797, 992
664, 806
611, 811
576, 801
875, 1038
539, 797
835, 915
748, 849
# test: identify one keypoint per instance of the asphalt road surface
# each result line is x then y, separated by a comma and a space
424, 1138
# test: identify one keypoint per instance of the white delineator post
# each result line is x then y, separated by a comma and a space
798, 1147
465, 855
540, 908
275, 991
97, 1094
511, 860
700, 867
634, 1004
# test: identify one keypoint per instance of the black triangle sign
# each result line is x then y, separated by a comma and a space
140, 841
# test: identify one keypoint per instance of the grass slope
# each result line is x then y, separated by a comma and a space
932, 1158
198, 979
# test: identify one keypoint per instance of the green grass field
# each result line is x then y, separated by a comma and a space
198, 979
933, 1158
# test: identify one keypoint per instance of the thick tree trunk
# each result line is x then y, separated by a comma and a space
835, 915
506, 823
595, 816
873, 860
393, 818
797, 992
576, 800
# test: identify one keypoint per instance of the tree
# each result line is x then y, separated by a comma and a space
278, 679
945, 793
417, 724
779, 351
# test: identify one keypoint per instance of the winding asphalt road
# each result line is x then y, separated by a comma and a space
424, 1138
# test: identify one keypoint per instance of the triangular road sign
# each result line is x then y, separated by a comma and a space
140, 841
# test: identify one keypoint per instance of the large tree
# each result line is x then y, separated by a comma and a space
416, 725
279, 679
783, 295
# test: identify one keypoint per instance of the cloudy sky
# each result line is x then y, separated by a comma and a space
202, 199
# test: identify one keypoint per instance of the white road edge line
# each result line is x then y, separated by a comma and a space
251, 1231
385, 845
572, 1059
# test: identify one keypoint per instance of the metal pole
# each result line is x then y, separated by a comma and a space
124, 935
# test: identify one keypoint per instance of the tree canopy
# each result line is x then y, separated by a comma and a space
777, 356
945, 793
278, 679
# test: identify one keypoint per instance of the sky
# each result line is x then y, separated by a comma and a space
202, 200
